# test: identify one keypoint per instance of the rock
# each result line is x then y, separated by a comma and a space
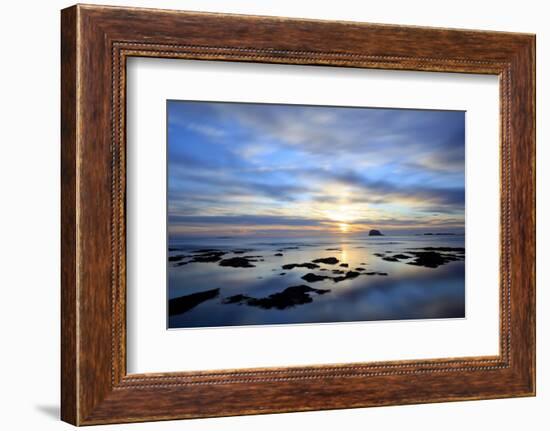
300, 265
235, 299
311, 278
207, 258
431, 259
278, 254
374, 232
359, 269
187, 302
344, 265
444, 249
338, 271
242, 250
282, 273
237, 262
333, 249
390, 259
327, 260
177, 258
349, 275
207, 250
290, 297
401, 256
207, 255
379, 254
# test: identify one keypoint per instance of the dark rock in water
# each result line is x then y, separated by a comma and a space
177, 258
333, 249
235, 299
359, 269
401, 256
242, 250
432, 259
323, 269
207, 255
327, 260
282, 273
390, 259
311, 278
349, 275
300, 265
374, 232
344, 265
338, 271
442, 233
382, 273
290, 297
444, 249
278, 254
237, 262
363, 263
181, 263
185, 303
375, 273
207, 258
379, 255
207, 250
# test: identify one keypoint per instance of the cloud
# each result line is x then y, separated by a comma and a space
244, 220
252, 160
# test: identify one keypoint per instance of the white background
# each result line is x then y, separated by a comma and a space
151, 348
29, 229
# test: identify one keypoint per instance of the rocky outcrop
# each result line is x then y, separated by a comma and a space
238, 262
327, 260
185, 303
290, 297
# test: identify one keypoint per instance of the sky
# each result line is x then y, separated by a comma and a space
294, 170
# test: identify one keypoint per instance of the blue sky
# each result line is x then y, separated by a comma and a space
265, 169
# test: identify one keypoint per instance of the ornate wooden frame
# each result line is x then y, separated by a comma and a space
96, 41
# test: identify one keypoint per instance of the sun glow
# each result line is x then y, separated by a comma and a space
344, 227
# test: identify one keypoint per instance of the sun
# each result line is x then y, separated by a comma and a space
344, 227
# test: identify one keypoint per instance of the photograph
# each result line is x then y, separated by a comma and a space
300, 214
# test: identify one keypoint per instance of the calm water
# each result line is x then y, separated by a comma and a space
406, 292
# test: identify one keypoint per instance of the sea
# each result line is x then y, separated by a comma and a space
380, 288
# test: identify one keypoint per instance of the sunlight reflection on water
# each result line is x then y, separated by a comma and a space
407, 292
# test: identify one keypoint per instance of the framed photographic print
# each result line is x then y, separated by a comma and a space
266, 215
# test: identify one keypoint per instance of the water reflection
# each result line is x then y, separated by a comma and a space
255, 294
